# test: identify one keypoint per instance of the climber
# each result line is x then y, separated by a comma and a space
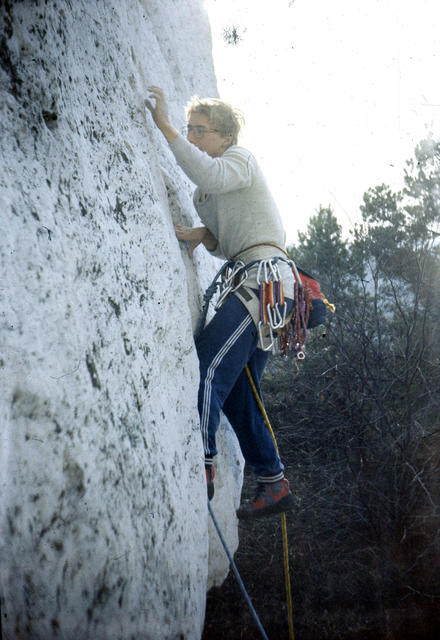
241, 222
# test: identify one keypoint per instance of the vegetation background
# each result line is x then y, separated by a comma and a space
358, 426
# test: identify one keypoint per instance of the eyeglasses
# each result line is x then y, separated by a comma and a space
198, 130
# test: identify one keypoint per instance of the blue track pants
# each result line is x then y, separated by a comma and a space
225, 346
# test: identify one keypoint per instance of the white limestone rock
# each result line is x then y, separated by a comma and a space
103, 518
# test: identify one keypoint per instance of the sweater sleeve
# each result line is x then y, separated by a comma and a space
218, 253
231, 171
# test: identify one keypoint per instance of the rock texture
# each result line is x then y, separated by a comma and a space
104, 529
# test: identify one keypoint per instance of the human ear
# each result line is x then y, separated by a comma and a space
227, 141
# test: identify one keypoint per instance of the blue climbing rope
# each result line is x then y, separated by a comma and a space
237, 575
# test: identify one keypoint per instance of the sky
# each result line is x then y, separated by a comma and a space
336, 94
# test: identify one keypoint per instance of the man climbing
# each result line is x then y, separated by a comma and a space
242, 224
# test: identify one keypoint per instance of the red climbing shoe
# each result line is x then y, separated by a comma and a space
274, 497
210, 473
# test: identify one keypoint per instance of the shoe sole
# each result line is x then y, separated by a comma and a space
284, 504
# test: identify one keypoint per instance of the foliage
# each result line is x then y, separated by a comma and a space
358, 425
232, 35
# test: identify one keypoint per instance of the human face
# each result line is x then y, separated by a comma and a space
212, 142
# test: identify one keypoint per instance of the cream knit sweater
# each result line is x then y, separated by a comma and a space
232, 199
234, 202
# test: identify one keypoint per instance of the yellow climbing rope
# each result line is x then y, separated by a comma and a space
283, 515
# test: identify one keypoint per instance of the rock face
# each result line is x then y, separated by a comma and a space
103, 521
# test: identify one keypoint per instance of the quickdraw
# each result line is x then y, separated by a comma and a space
273, 306
276, 331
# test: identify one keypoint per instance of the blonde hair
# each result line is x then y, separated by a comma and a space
223, 117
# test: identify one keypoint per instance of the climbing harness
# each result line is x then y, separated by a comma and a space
309, 311
278, 331
236, 573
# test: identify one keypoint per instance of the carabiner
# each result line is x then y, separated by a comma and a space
281, 316
276, 276
222, 297
270, 319
243, 277
260, 267
262, 338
